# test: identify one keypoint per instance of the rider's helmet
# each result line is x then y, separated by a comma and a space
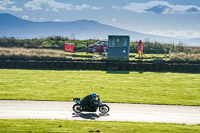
93, 95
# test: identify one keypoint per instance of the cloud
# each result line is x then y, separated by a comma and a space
53, 5
114, 19
193, 9
33, 19
41, 19
57, 20
33, 5
160, 7
25, 17
174, 33
8, 5
115, 7
95, 8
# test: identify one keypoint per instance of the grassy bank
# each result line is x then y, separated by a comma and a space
50, 54
60, 54
93, 126
122, 87
40, 54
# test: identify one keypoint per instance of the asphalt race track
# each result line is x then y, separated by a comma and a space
14, 109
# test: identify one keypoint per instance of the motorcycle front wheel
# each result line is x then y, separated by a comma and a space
104, 109
77, 108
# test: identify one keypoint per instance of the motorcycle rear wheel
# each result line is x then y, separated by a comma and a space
104, 109
77, 108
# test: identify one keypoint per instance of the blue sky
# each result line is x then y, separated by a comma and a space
176, 18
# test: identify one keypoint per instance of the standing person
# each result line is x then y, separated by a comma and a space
165, 52
140, 48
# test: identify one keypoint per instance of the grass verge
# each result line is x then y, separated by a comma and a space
28, 125
49, 54
118, 86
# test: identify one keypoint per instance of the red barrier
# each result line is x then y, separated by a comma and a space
69, 47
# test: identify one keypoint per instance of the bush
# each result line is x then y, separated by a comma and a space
177, 57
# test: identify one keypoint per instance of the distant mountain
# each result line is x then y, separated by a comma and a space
196, 40
12, 26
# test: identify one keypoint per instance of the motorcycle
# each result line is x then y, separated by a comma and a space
78, 108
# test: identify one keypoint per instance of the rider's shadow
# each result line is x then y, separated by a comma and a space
90, 116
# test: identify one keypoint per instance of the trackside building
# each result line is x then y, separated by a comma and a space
118, 47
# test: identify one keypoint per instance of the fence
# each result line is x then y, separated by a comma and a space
95, 65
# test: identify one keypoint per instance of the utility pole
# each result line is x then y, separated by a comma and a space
73, 36
87, 47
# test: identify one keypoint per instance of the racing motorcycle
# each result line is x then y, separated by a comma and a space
78, 107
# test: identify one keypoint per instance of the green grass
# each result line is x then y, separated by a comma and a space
148, 57
122, 87
92, 126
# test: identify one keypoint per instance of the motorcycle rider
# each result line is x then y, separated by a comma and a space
88, 101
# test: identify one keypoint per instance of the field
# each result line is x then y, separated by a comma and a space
49, 54
112, 86
93, 126
119, 87
40, 54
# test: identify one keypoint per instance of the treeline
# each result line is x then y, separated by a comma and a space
48, 42
160, 47
57, 42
